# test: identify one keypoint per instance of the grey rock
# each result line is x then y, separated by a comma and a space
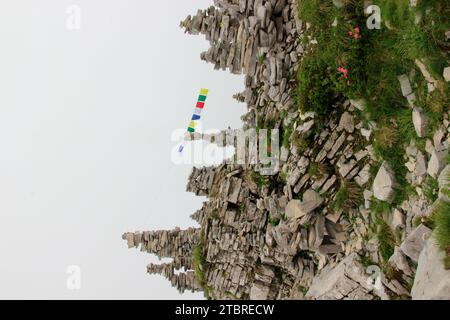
446, 74
363, 176
384, 184
421, 166
347, 279
294, 176
414, 243
405, 84
346, 123
297, 209
444, 177
437, 162
259, 291
432, 280
398, 260
419, 122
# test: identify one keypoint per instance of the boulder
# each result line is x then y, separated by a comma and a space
446, 74
384, 184
405, 85
437, 162
419, 122
398, 261
415, 241
346, 123
347, 280
297, 209
259, 291
432, 280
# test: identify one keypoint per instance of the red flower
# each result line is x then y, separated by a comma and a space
344, 72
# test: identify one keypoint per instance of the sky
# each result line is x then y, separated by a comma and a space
87, 110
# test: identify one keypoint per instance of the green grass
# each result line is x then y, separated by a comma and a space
199, 265
386, 239
260, 180
313, 170
214, 214
286, 134
380, 207
441, 219
348, 196
319, 84
431, 189
283, 176
300, 141
262, 58
274, 221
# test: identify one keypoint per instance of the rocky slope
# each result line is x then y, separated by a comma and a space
307, 232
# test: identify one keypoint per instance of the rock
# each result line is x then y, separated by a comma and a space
305, 127
345, 168
405, 85
346, 280
413, 244
432, 281
338, 4
419, 122
259, 291
444, 177
358, 104
420, 168
366, 133
437, 162
411, 99
398, 220
363, 176
367, 196
384, 184
346, 123
297, 209
284, 154
446, 74
336, 146
264, 274
294, 176
398, 261
432, 83
438, 136
335, 22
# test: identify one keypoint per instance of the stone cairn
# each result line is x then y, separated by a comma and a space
284, 240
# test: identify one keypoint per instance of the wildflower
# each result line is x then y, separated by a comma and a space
355, 33
344, 72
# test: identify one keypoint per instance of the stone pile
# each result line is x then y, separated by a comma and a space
283, 237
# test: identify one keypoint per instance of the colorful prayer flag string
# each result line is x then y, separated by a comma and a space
196, 115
